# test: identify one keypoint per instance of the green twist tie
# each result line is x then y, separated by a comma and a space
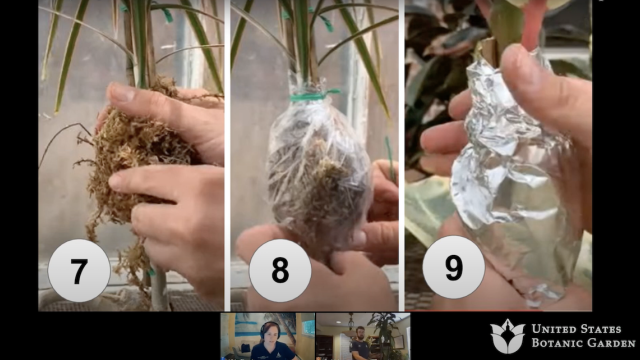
167, 13
326, 21
313, 96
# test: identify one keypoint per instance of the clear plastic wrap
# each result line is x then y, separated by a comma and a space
319, 174
516, 189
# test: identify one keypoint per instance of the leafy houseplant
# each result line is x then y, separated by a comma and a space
440, 42
125, 142
385, 323
318, 172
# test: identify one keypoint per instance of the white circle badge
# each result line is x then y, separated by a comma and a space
79, 270
453, 267
280, 270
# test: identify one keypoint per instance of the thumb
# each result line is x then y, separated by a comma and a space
562, 103
377, 237
343, 262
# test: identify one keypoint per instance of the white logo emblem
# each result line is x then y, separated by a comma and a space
500, 343
278, 356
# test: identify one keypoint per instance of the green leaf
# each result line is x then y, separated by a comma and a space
187, 8
286, 4
129, 53
364, 52
201, 35
139, 17
53, 27
114, 17
237, 36
301, 11
375, 39
259, 26
341, 6
507, 23
71, 44
190, 48
214, 9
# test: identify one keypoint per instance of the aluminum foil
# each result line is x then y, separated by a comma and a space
516, 191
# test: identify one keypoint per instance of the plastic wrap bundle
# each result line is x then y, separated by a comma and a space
516, 190
319, 177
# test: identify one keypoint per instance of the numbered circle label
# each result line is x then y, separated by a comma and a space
280, 270
453, 267
79, 270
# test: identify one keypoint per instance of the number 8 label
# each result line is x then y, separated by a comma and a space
280, 270
453, 267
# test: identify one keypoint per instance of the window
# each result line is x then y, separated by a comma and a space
64, 205
309, 328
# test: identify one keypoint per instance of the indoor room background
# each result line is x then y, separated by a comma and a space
335, 326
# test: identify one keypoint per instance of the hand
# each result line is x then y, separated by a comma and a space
188, 237
200, 124
558, 102
379, 237
496, 293
356, 285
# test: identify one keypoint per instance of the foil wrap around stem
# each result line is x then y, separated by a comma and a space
516, 189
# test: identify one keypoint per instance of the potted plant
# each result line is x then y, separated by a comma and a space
318, 172
385, 324
123, 141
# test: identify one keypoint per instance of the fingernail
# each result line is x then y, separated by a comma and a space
114, 181
359, 240
526, 69
121, 93
425, 164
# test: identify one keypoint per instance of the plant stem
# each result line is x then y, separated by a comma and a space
313, 59
128, 38
151, 59
286, 34
159, 293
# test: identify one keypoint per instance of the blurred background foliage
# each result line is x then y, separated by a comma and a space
440, 39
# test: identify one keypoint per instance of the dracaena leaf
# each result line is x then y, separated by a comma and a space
201, 35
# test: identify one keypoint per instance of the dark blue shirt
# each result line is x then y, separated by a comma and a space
362, 347
280, 352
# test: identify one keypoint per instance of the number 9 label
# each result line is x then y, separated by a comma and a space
453, 267
280, 270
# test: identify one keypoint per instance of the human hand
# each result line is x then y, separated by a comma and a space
187, 237
496, 293
560, 103
356, 284
201, 123
379, 238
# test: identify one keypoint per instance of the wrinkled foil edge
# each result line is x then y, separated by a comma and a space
515, 189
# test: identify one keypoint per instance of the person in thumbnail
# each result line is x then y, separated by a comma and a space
359, 348
269, 347
187, 237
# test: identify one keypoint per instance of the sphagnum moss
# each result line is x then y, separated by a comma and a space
125, 142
